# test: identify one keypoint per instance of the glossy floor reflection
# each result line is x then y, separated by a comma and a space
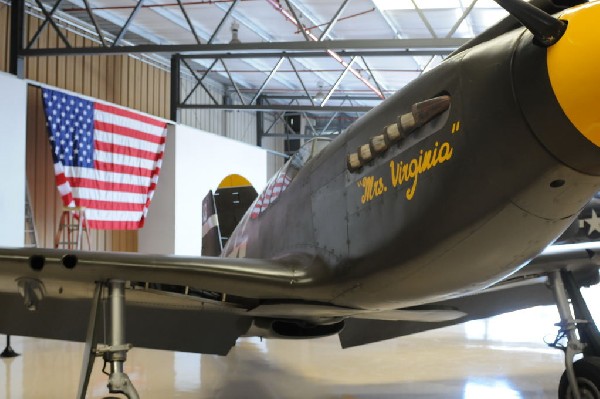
498, 358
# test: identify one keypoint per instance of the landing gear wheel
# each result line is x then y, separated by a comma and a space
587, 371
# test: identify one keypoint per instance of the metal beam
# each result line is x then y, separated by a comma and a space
52, 22
333, 21
338, 82
334, 97
301, 81
268, 79
277, 107
126, 26
241, 50
372, 75
189, 21
300, 24
322, 54
94, 22
294, 135
199, 81
175, 86
222, 21
17, 20
235, 86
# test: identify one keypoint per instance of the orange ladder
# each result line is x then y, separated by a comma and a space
71, 227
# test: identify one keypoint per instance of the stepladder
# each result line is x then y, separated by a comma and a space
72, 227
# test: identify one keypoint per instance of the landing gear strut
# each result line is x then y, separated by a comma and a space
581, 379
115, 353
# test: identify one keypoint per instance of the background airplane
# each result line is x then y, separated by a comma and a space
348, 237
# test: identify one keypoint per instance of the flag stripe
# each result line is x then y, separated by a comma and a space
132, 170
124, 216
104, 176
124, 160
114, 225
130, 115
125, 131
105, 137
109, 186
111, 205
125, 150
117, 196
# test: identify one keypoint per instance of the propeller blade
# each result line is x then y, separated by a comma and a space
546, 29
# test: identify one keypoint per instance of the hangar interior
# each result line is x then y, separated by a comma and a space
266, 76
260, 72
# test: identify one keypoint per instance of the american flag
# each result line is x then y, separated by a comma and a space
106, 158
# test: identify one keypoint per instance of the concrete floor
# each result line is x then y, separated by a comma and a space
503, 357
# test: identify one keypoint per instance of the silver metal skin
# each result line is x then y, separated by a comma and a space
569, 324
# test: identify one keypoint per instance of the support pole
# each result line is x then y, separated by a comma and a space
17, 20
175, 85
260, 123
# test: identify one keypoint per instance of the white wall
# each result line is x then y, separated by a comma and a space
195, 162
13, 103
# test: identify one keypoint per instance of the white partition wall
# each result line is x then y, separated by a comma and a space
194, 162
13, 103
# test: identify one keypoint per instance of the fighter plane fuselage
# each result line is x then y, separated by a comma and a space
454, 205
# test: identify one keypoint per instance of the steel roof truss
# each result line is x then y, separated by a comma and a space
126, 26
338, 81
301, 81
94, 22
189, 21
268, 79
372, 75
331, 23
464, 15
199, 81
222, 21
334, 55
310, 124
277, 116
424, 19
331, 119
235, 86
48, 19
298, 23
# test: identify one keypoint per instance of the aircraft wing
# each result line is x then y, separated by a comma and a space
59, 284
178, 321
524, 289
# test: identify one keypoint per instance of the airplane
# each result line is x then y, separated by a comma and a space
434, 208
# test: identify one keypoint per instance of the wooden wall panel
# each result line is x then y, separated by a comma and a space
4, 34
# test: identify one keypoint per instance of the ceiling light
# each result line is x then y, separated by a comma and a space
235, 27
320, 96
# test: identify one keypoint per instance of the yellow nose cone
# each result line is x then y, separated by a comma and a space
574, 69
